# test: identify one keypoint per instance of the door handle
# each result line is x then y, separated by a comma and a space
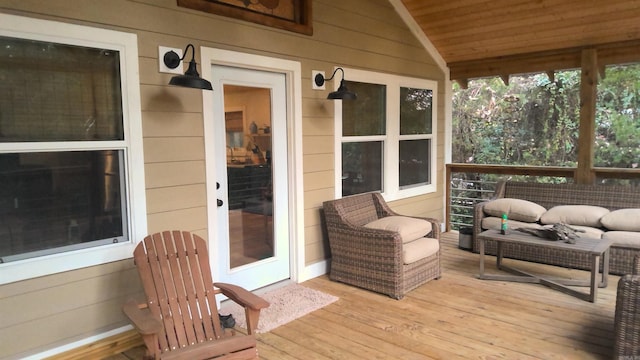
219, 202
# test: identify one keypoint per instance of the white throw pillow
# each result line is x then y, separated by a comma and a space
408, 227
622, 220
585, 215
516, 209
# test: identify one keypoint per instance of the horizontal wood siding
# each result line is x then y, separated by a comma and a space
47, 312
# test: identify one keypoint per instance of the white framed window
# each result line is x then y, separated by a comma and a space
71, 160
386, 139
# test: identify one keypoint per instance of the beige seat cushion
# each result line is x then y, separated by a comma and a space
494, 223
623, 238
409, 228
419, 249
516, 209
623, 220
584, 215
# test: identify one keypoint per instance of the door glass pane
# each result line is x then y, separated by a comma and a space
414, 167
415, 111
361, 167
59, 201
58, 92
367, 115
249, 173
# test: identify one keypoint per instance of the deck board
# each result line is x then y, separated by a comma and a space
457, 316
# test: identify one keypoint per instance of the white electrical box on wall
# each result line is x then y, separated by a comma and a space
162, 67
313, 80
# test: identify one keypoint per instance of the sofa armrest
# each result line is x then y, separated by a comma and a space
479, 214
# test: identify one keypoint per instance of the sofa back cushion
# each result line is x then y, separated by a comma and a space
585, 215
516, 209
611, 197
622, 220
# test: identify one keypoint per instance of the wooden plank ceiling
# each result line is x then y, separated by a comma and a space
480, 38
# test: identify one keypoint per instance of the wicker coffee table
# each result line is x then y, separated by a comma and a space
595, 248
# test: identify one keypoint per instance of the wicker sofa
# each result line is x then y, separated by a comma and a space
557, 196
375, 248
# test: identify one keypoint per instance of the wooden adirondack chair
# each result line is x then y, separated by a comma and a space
179, 319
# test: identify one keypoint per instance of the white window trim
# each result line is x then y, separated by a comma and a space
390, 181
127, 45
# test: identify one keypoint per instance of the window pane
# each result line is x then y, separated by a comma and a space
361, 167
618, 118
415, 111
57, 201
57, 92
365, 116
414, 163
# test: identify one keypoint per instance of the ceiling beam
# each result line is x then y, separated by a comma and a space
546, 61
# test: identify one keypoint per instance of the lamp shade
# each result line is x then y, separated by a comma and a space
342, 93
191, 77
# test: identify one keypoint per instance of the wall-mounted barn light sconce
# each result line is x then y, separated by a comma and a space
342, 93
191, 78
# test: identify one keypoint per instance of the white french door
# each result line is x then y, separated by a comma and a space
249, 142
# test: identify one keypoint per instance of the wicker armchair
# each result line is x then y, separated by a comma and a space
372, 258
627, 318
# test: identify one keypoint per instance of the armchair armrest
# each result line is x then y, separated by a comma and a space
241, 296
627, 318
141, 317
381, 248
251, 303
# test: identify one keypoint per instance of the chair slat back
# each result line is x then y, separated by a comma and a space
175, 273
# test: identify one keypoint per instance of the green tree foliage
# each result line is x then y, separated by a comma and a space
618, 118
534, 121
530, 122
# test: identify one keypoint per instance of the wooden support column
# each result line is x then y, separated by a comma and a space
588, 95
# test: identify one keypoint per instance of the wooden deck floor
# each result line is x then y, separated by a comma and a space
457, 316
